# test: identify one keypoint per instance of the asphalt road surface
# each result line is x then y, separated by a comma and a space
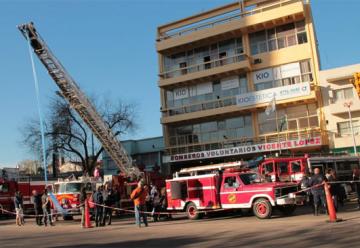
301, 230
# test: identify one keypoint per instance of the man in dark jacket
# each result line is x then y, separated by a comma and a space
98, 200
108, 202
36, 200
317, 190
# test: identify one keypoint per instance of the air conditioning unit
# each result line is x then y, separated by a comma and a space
257, 61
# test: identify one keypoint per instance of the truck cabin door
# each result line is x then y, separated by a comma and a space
229, 194
297, 170
268, 171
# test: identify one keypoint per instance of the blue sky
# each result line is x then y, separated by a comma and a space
109, 49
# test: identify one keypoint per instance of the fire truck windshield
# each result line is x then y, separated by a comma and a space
250, 178
68, 187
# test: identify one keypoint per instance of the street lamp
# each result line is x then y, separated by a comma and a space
348, 105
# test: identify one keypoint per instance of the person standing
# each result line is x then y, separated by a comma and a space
117, 199
98, 200
83, 198
317, 190
18, 203
97, 172
334, 188
155, 200
139, 195
108, 201
36, 201
356, 180
46, 208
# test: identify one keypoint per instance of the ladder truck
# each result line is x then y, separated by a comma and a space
79, 102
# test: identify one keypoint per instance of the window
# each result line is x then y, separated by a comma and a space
343, 94
4, 188
283, 75
291, 118
189, 99
202, 58
279, 37
295, 166
344, 128
215, 131
268, 168
231, 182
283, 167
73, 187
250, 178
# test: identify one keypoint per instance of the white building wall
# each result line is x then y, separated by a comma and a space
335, 88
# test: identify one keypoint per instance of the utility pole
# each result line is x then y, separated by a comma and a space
348, 105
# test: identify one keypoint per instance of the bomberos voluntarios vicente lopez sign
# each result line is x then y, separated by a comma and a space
281, 93
233, 151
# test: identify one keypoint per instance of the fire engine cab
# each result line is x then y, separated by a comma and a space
67, 193
281, 169
228, 186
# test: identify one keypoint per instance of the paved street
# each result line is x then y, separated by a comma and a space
300, 230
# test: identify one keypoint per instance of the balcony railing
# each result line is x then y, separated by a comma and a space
261, 139
204, 66
184, 31
213, 104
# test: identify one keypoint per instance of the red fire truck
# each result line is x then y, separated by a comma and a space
228, 186
292, 169
284, 169
25, 186
67, 193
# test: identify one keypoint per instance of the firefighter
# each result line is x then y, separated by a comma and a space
317, 190
139, 197
36, 200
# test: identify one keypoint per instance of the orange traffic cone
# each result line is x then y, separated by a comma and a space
330, 204
87, 215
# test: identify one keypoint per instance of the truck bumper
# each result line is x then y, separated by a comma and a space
291, 200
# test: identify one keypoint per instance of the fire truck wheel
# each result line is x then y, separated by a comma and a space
287, 209
262, 208
192, 212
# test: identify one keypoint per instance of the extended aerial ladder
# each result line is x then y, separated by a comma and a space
79, 102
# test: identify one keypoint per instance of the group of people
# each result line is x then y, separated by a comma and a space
42, 207
104, 198
148, 200
337, 191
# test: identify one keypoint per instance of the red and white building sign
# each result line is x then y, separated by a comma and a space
246, 149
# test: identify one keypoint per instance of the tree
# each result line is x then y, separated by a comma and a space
28, 167
66, 133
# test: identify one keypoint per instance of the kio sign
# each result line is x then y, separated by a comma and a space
247, 149
281, 93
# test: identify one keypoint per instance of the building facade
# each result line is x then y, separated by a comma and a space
338, 91
146, 153
218, 72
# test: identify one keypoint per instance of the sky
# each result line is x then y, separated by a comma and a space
108, 47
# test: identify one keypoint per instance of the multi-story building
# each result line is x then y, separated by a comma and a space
146, 153
218, 72
338, 94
